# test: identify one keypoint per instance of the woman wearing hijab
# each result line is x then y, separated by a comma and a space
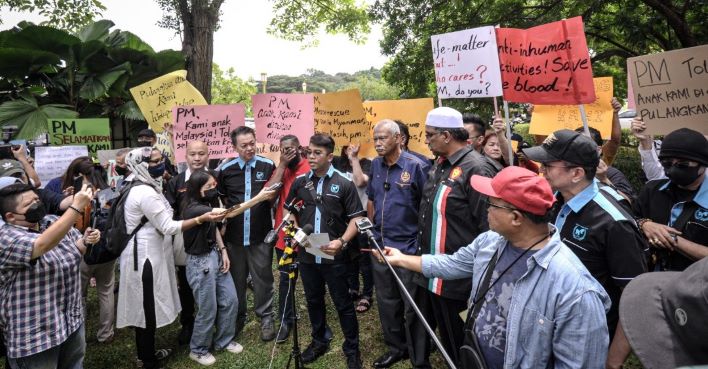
148, 298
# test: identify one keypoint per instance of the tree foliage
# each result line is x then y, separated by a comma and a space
369, 83
228, 88
70, 15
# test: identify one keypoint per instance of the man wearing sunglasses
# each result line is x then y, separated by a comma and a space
673, 212
599, 230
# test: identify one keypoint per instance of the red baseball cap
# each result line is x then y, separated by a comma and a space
518, 186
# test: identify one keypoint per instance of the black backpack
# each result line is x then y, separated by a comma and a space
115, 237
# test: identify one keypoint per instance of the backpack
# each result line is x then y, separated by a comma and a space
116, 236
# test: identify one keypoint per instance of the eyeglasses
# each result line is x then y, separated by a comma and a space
431, 135
681, 164
387, 186
499, 206
156, 161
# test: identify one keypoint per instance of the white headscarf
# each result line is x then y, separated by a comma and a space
137, 162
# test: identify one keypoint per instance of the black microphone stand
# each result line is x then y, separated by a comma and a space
403, 289
288, 263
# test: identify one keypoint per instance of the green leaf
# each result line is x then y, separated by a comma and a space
97, 31
130, 111
30, 117
43, 38
96, 86
17, 63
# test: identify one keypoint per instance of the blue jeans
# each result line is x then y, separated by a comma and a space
68, 355
215, 295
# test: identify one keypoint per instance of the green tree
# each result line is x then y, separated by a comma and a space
372, 88
65, 14
228, 88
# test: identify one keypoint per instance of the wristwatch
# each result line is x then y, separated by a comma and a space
344, 243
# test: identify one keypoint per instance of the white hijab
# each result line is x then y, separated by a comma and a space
137, 162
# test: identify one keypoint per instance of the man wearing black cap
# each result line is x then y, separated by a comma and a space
148, 138
601, 232
674, 211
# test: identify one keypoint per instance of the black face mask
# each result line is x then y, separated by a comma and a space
121, 171
144, 143
35, 213
682, 176
157, 171
210, 195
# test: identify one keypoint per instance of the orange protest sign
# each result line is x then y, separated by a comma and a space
549, 118
411, 112
341, 115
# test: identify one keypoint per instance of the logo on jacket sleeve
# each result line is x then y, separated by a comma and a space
580, 232
455, 173
334, 188
701, 214
260, 176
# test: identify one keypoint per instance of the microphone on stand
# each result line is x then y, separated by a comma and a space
299, 237
293, 207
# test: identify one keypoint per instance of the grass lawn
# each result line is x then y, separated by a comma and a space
257, 354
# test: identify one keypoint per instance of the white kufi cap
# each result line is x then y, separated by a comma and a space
444, 117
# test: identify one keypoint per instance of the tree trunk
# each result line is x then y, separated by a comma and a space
676, 20
199, 19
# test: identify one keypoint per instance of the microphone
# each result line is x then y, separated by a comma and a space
301, 236
293, 207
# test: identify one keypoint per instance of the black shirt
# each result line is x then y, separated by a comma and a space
452, 215
665, 203
604, 236
174, 193
336, 202
202, 238
239, 182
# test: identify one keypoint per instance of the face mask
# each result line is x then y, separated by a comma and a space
121, 171
35, 213
210, 194
144, 143
157, 171
682, 176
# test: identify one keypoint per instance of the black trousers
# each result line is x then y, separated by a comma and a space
402, 329
334, 276
145, 337
362, 264
186, 298
446, 312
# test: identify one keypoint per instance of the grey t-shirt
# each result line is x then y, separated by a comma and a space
490, 326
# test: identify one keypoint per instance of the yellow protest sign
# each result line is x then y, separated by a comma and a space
341, 115
550, 118
156, 98
411, 112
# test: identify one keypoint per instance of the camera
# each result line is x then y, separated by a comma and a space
364, 224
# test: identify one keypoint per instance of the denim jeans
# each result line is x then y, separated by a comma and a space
69, 355
215, 295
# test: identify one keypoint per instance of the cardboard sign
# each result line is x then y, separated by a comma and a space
277, 115
94, 133
113, 176
208, 123
156, 98
550, 118
411, 112
52, 161
341, 115
104, 156
466, 63
547, 64
164, 144
671, 89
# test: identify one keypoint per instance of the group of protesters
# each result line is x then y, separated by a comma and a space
539, 257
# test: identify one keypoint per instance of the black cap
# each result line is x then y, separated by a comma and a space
685, 143
147, 132
568, 146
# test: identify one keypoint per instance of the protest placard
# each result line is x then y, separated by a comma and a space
51, 161
113, 176
550, 118
164, 144
412, 112
94, 133
209, 123
547, 64
466, 63
671, 89
277, 115
156, 98
341, 115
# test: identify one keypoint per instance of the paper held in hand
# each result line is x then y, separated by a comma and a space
317, 240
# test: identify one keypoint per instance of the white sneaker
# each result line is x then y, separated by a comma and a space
204, 359
234, 347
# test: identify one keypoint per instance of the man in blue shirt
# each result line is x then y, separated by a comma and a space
395, 188
534, 304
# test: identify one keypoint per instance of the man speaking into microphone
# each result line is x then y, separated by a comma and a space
332, 206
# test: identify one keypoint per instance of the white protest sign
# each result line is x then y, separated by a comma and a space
51, 161
467, 63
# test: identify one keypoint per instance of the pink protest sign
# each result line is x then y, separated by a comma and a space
208, 123
277, 115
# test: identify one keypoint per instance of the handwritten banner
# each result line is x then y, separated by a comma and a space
671, 89
208, 123
466, 63
547, 64
277, 115
550, 118
341, 115
163, 143
94, 133
411, 112
52, 161
112, 175
156, 98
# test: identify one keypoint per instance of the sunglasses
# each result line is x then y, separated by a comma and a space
681, 164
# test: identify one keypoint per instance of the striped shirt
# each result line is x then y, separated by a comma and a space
40, 299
